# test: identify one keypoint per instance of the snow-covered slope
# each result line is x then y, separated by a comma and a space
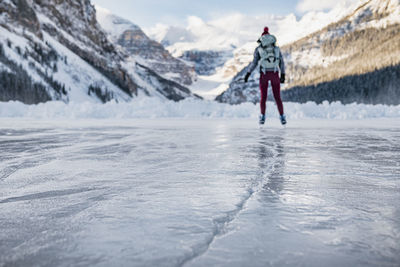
365, 39
60, 52
371, 26
310, 51
56, 50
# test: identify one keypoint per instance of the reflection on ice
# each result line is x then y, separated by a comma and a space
199, 193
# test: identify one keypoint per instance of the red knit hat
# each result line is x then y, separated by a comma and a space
266, 31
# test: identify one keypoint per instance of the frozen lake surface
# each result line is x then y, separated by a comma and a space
199, 193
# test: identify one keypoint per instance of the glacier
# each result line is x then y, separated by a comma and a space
197, 191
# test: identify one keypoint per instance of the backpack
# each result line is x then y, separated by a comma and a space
269, 53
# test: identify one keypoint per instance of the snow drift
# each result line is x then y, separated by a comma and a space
146, 107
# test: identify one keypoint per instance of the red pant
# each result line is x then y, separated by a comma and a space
276, 89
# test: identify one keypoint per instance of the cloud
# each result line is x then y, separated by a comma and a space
318, 5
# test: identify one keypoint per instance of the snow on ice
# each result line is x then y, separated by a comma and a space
145, 107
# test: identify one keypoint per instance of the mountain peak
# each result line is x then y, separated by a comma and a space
112, 24
150, 53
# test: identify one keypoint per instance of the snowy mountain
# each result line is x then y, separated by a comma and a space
226, 44
56, 50
334, 62
144, 50
205, 45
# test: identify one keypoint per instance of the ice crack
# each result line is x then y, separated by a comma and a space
221, 224
220, 228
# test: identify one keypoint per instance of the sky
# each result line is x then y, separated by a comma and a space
147, 13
